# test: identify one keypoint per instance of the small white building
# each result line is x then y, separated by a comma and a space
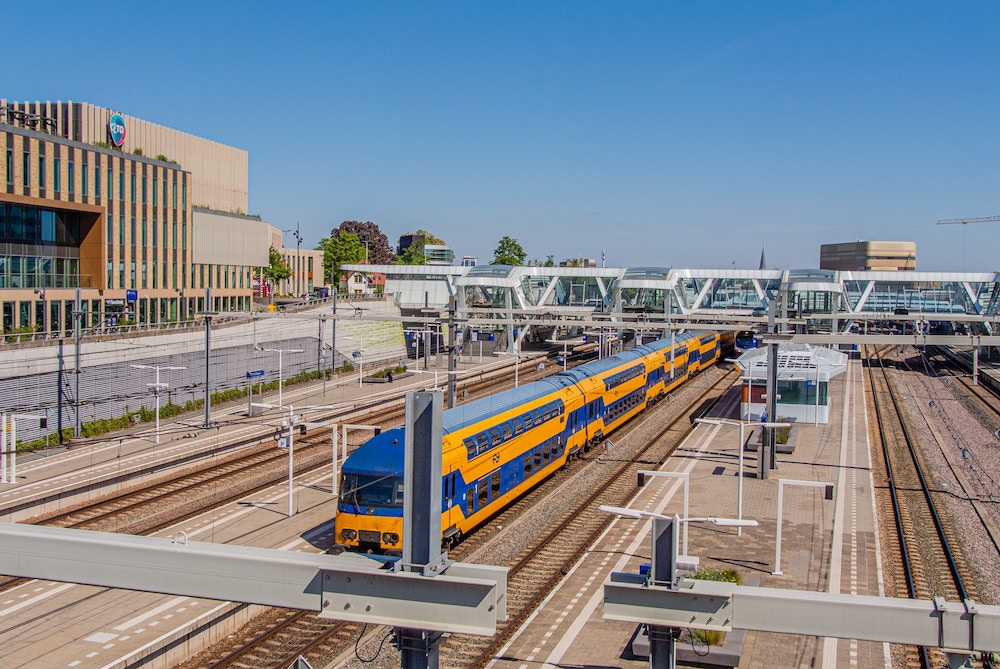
804, 374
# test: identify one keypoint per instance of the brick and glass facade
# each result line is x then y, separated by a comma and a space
121, 209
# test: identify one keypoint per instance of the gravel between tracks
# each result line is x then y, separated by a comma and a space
940, 420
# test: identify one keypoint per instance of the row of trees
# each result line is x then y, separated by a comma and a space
357, 242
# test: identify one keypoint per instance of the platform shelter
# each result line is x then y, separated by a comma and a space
804, 374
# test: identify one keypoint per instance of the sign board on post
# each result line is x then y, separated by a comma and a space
251, 409
131, 295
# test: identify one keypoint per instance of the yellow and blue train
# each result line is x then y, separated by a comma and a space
497, 448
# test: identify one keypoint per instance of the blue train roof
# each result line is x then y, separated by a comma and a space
599, 366
472, 412
381, 455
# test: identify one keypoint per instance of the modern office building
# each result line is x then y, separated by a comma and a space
863, 256
141, 219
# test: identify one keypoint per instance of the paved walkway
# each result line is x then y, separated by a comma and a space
826, 545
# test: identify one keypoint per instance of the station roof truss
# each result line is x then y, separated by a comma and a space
808, 301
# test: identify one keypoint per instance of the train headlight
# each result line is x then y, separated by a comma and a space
390, 538
349, 535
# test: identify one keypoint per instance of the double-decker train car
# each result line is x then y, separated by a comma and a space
497, 448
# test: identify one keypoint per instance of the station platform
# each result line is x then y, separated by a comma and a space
48, 624
49, 473
826, 546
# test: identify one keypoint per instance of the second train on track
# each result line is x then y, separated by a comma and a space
497, 448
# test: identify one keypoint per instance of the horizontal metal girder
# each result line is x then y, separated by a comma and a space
405, 599
346, 587
972, 341
722, 606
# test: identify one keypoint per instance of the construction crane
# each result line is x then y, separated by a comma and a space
966, 221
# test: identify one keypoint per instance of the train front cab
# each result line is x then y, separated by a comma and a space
370, 506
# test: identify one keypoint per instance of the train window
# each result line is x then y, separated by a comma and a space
528, 421
470, 499
538, 458
546, 414
484, 490
537, 415
495, 486
559, 445
527, 466
547, 452
470, 446
482, 442
507, 430
495, 437
518, 424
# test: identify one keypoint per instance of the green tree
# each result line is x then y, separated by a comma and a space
508, 252
412, 255
372, 239
343, 248
429, 237
276, 270
549, 262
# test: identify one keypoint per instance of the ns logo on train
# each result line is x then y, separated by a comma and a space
116, 129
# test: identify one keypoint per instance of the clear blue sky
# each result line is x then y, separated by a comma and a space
683, 134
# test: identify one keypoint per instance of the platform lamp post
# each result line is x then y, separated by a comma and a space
739, 480
290, 424
281, 352
828, 494
156, 387
565, 349
517, 361
8, 474
665, 563
359, 355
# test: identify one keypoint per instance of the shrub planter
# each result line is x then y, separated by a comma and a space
385, 379
752, 443
699, 655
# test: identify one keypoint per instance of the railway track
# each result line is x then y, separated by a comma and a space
245, 466
951, 366
536, 565
543, 563
932, 563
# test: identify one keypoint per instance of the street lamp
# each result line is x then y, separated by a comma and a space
292, 419
781, 488
156, 387
298, 255
665, 562
739, 482
281, 352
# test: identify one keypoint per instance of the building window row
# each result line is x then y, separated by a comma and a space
26, 224
49, 159
39, 272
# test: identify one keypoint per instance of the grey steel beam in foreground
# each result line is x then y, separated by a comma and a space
723, 606
347, 587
